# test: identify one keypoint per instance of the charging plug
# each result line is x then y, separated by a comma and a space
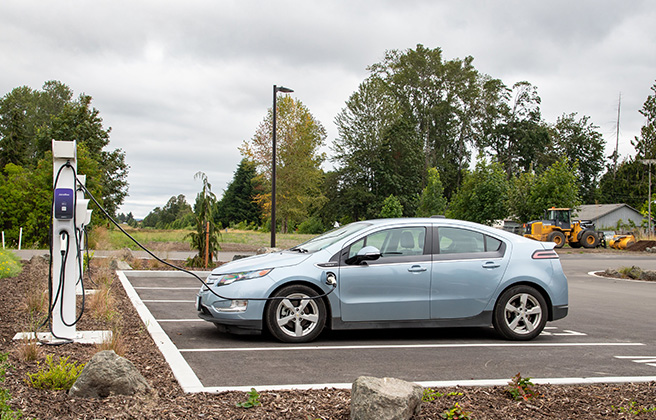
63, 244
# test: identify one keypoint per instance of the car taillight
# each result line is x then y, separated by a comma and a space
545, 254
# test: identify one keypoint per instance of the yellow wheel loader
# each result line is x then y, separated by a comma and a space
557, 227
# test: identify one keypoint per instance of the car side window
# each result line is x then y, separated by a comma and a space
395, 242
457, 241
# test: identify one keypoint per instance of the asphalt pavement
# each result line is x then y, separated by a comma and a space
608, 336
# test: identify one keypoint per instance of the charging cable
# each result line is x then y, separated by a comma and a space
330, 282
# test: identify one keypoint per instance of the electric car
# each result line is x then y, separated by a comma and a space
391, 273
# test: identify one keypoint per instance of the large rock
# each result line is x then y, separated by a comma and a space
108, 373
384, 399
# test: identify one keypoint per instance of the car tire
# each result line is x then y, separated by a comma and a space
292, 317
520, 313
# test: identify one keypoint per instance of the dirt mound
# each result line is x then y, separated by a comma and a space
641, 246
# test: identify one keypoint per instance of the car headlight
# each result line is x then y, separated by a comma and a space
225, 279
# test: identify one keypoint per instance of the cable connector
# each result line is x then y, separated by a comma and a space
63, 244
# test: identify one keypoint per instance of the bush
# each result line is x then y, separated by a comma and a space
57, 376
9, 264
311, 225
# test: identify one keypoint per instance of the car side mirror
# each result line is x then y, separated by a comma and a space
368, 253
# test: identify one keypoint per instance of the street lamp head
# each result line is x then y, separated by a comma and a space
283, 89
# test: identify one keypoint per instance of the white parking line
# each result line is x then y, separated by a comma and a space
409, 346
167, 301
165, 288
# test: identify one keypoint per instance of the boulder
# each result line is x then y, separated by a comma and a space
384, 399
108, 373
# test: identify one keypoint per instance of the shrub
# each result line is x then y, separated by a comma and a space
57, 376
521, 388
9, 264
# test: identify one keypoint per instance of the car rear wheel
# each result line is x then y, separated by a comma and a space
294, 317
520, 313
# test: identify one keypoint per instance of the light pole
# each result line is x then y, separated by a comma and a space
649, 162
276, 89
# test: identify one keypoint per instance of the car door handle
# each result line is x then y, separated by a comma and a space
491, 264
417, 269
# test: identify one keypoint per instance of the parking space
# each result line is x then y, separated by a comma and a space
595, 343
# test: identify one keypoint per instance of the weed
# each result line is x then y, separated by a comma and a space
9, 264
634, 408
6, 413
521, 388
116, 342
57, 376
431, 395
632, 272
253, 400
456, 412
102, 304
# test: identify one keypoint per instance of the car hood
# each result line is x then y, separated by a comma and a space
257, 262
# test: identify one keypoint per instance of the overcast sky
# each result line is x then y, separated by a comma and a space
182, 84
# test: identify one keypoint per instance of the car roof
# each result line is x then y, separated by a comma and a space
443, 221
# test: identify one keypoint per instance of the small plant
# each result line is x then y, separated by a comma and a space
253, 400
6, 413
115, 342
634, 408
521, 388
57, 376
431, 395
456, 412
9, 264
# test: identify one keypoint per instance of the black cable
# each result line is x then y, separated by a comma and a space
190, 272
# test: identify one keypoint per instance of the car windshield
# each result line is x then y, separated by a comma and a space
329, 238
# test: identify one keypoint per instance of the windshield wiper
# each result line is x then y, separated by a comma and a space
301, 250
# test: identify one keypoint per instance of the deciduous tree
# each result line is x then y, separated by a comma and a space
298, 160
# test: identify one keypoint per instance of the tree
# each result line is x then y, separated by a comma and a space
629, 184
207, 233
432, 201
30, 119
645, 145
298, 160
392, 208
520, 207
511, 128
579, 140
556, 187
440, 99
238, 201
482, 196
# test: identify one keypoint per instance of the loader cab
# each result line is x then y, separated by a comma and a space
560, 217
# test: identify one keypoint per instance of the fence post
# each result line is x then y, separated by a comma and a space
3, 239
20, 238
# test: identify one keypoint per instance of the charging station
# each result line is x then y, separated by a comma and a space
70, 216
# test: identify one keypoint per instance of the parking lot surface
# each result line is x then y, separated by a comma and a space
608, 336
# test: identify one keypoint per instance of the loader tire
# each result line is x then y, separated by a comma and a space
557, 237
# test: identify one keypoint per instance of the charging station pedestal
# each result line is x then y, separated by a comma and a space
70, 215
64, 271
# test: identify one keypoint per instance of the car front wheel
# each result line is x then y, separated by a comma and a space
293, 316
520, 313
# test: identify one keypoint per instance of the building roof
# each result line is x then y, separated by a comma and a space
595, 211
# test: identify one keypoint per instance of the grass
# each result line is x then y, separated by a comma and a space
9, 264
102, 238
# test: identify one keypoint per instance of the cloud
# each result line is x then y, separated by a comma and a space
183, 84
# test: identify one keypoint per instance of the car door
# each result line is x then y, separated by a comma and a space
467, 268
395, 286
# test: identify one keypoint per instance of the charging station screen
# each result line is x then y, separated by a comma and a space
64, 203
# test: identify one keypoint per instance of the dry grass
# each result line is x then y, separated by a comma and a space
116, 342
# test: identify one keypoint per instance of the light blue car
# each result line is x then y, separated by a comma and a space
392, 273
